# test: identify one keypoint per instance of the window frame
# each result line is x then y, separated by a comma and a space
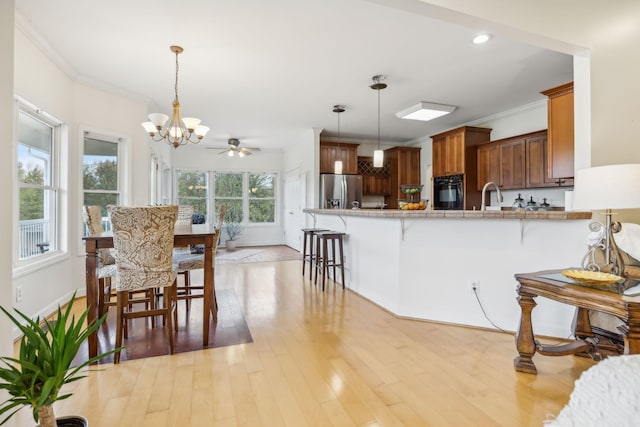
111, 139
60, 243
211, 196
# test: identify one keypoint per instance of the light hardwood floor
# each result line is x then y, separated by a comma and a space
326, 359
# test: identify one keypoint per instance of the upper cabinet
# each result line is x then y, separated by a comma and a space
560, 144
332, 151
516, 162
455, 153
448, 154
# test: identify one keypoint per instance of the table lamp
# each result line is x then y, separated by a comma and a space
608, 188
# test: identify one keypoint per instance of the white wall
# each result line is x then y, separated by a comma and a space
6, 170
41, 82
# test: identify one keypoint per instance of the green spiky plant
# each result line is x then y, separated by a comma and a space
47, 349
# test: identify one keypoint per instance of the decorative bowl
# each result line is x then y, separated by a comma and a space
406, 205
587, 277
411, 189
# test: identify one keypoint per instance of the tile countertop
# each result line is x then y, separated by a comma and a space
506, 214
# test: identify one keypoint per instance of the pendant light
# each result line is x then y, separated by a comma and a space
378, 155
337, 166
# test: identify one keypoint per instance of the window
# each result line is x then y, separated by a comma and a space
229, 192
37, 181
100, 177
262, 198
193, 190
250, 197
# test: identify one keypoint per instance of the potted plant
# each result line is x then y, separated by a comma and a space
233, 227
47, 350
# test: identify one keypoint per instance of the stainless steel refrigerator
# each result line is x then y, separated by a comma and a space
340, 191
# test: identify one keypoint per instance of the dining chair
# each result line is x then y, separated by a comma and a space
185, 220
143, 239
92, 217
183, 263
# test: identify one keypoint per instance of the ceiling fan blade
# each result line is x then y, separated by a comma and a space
224, 152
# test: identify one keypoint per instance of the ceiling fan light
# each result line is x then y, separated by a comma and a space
230, 153
158, 119
201, 131
191, 123
240, 154
425, 111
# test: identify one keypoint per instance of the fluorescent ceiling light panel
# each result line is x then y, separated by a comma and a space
425, 111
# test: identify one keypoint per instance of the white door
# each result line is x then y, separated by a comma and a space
293, 199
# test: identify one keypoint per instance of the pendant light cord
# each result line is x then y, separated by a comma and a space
378, 118
177, 68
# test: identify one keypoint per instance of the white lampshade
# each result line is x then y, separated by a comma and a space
201, 130
337, 167
191, 122
378, 158
230, 153
607, 187
158, 119
149, 127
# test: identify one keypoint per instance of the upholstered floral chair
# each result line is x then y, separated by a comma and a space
92, 217
143, 239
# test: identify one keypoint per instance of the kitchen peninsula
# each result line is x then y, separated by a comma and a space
420, 264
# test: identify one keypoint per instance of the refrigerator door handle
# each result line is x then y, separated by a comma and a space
343, 198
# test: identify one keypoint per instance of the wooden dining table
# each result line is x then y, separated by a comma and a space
198, 234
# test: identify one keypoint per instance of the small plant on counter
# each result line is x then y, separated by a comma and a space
47, 349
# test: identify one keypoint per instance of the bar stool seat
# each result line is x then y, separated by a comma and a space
326, 259
309, 234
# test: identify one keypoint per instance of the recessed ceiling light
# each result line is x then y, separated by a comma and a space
481, 38
425, 111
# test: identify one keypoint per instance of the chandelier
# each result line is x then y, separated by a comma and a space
179, 131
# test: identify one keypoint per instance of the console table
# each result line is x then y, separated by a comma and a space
584, 298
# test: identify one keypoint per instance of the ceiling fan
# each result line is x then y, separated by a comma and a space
234, 147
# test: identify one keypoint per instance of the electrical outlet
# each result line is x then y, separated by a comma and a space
474, 285
19, 294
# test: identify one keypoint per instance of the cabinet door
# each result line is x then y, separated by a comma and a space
439, 165
455, 154
408, 167
349, 157
537, 164
512, 164
560, 156
488, 165
327, 158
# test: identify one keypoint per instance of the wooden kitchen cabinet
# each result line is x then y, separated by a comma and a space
536, 156
515, 163
448, 155
332, 151
488, 165
455, 153
512, 164
375, 181
560, 143
404, 168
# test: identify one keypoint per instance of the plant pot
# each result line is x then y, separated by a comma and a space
71, 421
231, 245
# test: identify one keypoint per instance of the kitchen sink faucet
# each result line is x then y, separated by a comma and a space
483, 207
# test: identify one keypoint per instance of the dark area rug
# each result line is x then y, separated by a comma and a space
145, 341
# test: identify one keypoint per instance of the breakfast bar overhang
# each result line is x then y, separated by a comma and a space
420, 264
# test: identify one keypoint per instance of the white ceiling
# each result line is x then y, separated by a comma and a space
267, 71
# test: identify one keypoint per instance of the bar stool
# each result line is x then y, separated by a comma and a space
324, 259
311, 256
